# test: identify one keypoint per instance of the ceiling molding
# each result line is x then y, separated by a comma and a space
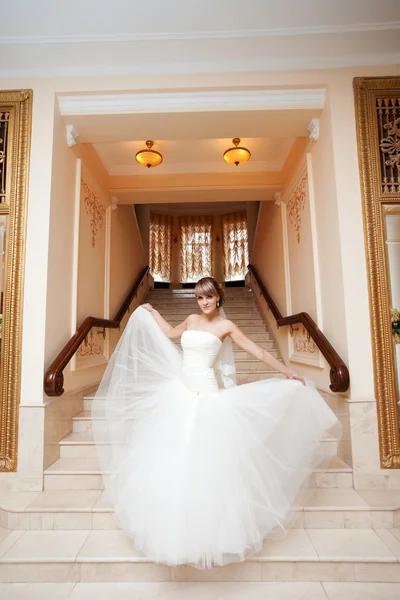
198, 35
184, 196
270, 62
95, 104
198, 207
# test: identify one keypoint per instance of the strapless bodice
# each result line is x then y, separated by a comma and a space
200, 349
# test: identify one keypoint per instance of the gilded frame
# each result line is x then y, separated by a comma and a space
367, 90
19, 104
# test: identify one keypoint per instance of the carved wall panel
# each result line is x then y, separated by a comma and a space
301, 291
296, 204
304, 349
92, 253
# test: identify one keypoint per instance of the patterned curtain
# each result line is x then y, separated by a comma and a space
235, 245
161, 245
196, 247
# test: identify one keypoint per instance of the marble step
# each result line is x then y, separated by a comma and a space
240, 322
246, 325
81, 445
323, 508
267, 344
192, 298
243, 355
229, 293
247, 303
234, 313
243, 378
253, 365
318, 555
256, 336
168, 590
84, 474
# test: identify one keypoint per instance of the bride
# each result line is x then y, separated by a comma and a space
200, 471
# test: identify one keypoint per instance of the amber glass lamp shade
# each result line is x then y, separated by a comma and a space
237, 154
148, 157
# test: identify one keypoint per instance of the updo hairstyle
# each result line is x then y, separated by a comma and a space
208, 286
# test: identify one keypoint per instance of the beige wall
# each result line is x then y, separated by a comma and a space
60, 244
93, 292
312, 278
91, 289
143, 219
127, 255
333, 320
300, 247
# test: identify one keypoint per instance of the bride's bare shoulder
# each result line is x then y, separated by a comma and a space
192, 318
228, 326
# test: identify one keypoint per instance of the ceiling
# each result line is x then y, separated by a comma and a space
194, 156
193, 142
193, 125
24, 18
93, 38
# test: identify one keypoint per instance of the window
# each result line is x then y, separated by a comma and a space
196, 247
235, 245
160, 252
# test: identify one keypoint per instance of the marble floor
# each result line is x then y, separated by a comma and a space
200, 591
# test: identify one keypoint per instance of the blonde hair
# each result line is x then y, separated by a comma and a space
209, 286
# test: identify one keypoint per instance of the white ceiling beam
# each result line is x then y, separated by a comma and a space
232, 100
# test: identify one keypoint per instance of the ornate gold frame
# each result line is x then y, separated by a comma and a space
19, 104
367, 91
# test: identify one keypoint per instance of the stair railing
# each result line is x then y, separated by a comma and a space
339, 373
54, 378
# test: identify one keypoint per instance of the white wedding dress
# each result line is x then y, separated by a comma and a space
198, 474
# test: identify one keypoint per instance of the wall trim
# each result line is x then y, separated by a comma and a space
167, 102
198, 35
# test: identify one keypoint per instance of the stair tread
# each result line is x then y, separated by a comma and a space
68, 466
86, 437
316, 500
298, 545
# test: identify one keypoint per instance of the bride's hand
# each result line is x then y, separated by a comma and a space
148, 307
294, 375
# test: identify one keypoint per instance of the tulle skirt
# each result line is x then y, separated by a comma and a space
201, 478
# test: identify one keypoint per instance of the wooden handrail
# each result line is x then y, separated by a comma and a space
339, 373
54, 378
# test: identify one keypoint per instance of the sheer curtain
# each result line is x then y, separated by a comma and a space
235, 245
161, 246
196, 247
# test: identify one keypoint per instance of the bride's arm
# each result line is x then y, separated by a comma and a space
265, 357
171, 332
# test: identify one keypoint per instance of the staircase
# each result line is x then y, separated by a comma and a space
69, 531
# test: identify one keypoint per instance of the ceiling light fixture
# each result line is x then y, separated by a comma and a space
237, 154
148, 157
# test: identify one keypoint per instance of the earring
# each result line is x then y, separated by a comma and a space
218, 304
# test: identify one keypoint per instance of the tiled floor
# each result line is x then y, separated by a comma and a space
200, 591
